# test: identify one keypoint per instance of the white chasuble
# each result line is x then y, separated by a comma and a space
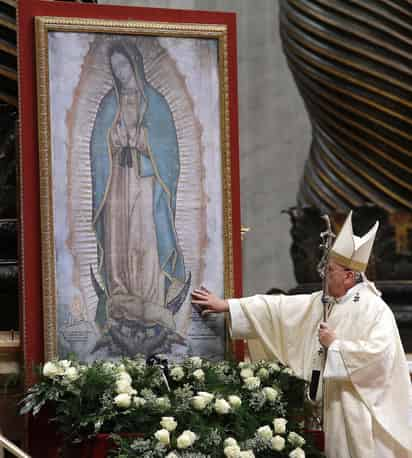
367, 384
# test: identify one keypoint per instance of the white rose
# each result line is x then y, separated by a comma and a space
199, 402
196, 361
289, 371
279, 425
208, 396
247, 454
234, 401
139, 402
123, 400
229, 442
71, 373
270, 393
168, 423
177, 373
183, 441
243, 364
51, 370
191, 434
265, 432
124, 376
108, 365
232, 451
186, 439
123, 386
65, 363
297, 453
163, 436
263, 373
295, 439
246, 373
252, 383
278, 443
199, 375
222, 406
273, 367
171, 455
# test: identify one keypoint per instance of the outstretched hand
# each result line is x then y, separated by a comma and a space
208, 302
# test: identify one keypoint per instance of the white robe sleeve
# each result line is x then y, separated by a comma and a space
277, 327
240, 326
335, 367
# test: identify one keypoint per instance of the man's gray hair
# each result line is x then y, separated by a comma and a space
358, 277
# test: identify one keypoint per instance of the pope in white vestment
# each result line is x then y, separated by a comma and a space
367, 386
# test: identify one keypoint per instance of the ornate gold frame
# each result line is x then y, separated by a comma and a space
44, 25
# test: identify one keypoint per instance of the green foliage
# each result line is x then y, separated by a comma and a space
208, 403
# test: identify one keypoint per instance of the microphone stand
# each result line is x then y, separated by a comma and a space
163, 365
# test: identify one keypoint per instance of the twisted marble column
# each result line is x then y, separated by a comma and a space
352, 62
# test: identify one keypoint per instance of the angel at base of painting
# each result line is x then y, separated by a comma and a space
141, 282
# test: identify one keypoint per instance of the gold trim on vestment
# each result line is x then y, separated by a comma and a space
348, 262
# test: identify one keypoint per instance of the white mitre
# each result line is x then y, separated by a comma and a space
350, 250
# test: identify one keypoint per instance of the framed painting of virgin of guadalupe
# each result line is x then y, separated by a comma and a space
137, 149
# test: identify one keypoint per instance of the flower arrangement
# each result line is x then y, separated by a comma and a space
189, 409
